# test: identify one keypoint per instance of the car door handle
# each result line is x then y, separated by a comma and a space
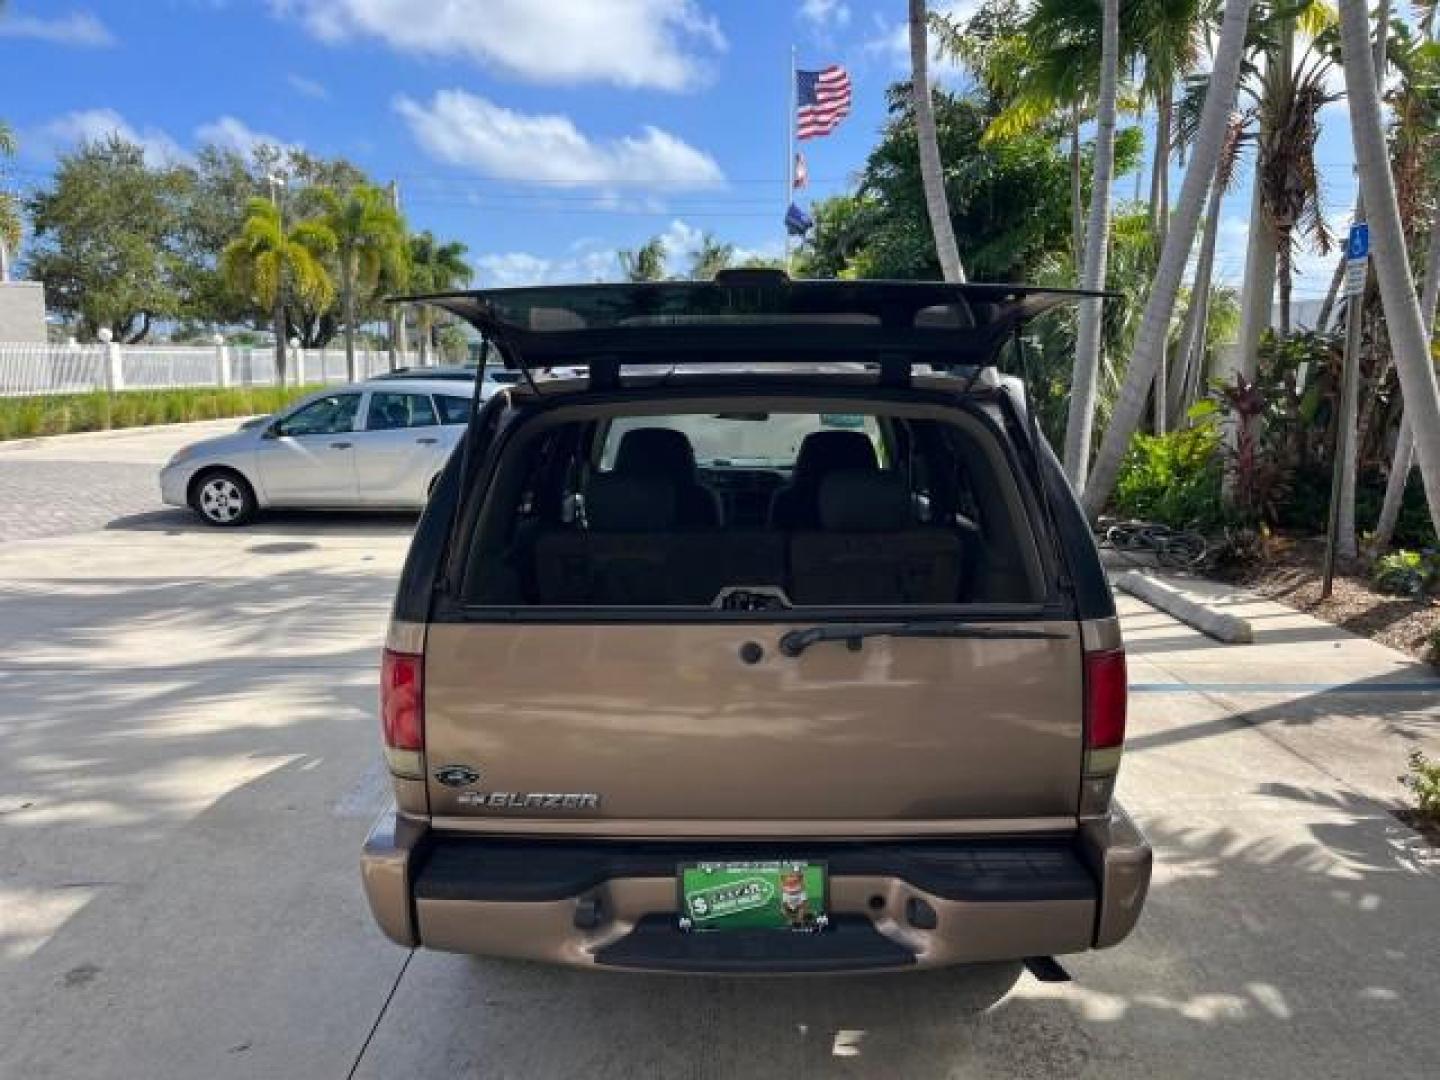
427, 441
341, 445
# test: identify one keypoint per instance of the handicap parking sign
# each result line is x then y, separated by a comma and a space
1358, 246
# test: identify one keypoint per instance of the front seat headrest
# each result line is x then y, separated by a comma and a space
656, 452
824, 452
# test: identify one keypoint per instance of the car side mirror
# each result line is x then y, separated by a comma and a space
272, 431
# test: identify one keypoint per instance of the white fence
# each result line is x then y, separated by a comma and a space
28, 370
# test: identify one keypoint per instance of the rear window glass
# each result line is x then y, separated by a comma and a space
739, 439
754, 509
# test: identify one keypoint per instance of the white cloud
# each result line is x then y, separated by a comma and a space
511, 268
95, 125
460, 128
230, 133
79, 28
310, 88
825, 15
891, 40
588, 259
665, 44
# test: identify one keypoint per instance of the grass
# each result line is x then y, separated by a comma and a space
63, 414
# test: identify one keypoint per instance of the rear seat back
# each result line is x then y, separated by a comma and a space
870, 549
632, 553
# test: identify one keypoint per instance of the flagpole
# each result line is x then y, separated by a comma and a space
789, 157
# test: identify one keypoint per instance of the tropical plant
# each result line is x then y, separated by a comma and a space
931, 174
1423, 778
434, 267
645, 263
1174, 479
1209, 144
1407, 573
370, 248
270, 261
710, 257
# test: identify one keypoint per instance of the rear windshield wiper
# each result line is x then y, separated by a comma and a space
795, 642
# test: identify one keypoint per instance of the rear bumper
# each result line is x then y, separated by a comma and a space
894, 906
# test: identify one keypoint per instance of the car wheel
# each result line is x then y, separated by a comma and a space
223, 497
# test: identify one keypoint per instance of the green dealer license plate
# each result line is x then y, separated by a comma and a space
780, 895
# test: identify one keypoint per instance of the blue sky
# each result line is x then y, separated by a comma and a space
542, 134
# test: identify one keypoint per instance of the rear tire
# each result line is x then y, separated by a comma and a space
222, 497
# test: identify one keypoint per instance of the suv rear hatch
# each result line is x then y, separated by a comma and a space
797, 710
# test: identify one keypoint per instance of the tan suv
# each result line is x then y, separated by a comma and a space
773, 641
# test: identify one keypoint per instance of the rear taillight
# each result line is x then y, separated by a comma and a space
402, 711
1104, 699
1105, 696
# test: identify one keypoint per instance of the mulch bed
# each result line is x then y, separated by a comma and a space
1290, 573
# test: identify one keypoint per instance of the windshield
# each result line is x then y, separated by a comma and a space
770, 440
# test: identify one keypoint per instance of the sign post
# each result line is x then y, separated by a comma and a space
1357, 268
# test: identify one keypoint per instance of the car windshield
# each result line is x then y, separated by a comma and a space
770, 440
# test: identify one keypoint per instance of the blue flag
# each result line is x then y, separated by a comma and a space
797, 222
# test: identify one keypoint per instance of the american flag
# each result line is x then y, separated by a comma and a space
822, 99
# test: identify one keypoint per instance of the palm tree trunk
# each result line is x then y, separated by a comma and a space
1257, 293
1346, 544
1285, 282
1085, 379
1160, 166
931, 175
1192, 335
422, 317
1331, 294
1077, 228
280, 342
1405, 441
1155, 323
1405, 322
1159, 225
347, 289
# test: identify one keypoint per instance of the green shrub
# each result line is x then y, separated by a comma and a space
63, 414
1174, 479
1407, 573
1423, 782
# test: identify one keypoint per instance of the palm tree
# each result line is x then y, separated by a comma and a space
1085, 378
1189, 362
369, 247
434, 268
1404, 321
12, 226
1155, 324
267, 262
1422, 152
645, 263
711, 257
931, 175
1286, 193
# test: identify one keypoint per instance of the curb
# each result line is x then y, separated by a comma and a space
1230, 629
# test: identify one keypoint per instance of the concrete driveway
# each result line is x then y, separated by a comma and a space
190, 764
